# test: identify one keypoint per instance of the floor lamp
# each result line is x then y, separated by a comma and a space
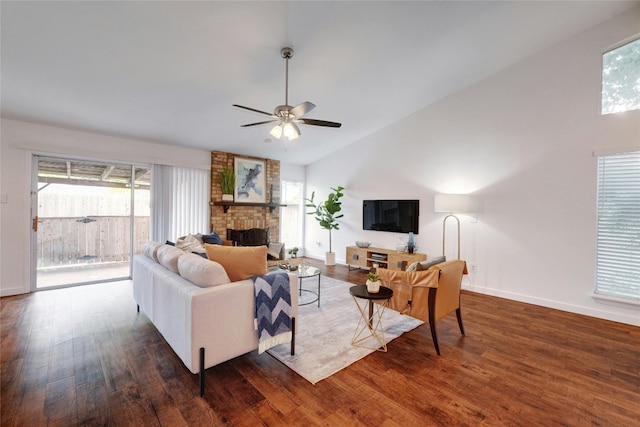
452, 203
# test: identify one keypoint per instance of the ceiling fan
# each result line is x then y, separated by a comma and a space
285, 116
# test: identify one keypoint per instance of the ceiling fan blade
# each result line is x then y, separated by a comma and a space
253, 109
315, 122
302, 109
258, 123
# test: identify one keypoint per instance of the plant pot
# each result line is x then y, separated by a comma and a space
227, 197
329, 258
373, 287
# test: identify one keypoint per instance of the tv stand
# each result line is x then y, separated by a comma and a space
385, 258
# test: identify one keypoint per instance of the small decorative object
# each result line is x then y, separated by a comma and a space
411, 243
227, 183
373, 283
401, 246
363, 244
326, 213
288, 267
293, 252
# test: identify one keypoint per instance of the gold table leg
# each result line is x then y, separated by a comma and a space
370, 324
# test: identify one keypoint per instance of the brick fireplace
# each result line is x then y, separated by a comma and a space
241, 217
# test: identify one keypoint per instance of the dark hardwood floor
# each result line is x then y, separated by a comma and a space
84, 356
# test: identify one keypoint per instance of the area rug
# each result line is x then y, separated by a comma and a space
323, 334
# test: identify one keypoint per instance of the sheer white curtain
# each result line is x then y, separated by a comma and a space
179, 202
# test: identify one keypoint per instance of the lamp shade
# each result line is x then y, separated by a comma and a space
454, 203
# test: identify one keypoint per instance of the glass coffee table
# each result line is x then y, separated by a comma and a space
306, 272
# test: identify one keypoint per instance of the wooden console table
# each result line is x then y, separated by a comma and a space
386, 258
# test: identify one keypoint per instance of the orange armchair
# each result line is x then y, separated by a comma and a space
428, 295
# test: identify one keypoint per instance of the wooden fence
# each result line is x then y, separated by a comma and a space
89, 240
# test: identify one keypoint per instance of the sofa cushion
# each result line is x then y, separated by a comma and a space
201, 271
168, 256
240, 262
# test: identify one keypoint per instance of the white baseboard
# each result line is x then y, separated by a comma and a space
629, 319
13, 291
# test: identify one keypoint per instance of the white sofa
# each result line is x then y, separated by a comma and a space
204, 326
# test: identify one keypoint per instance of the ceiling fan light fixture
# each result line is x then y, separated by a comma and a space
291, 131
285, 115
276, 132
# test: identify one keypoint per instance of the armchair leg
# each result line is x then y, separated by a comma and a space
432, 318
459, 315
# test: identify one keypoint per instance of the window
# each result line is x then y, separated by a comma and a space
621, 78
292, 215
618, 226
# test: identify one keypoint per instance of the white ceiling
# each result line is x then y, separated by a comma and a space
170, 71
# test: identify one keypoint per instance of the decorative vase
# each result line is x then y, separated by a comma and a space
411, 243
330, 258
373, 287
227, 197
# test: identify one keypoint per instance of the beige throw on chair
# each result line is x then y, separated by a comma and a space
428, 295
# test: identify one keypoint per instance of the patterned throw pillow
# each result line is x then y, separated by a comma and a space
189, 243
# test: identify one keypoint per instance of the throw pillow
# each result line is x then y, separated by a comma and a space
212, 239
168, 257
240, 262
275, 249
425, 265
202, 272
189, 244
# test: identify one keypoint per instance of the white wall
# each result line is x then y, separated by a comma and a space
289, 172
19, 141
521, 141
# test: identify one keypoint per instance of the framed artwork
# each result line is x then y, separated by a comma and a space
250, 180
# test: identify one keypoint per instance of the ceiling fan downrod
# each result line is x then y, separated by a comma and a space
287, 53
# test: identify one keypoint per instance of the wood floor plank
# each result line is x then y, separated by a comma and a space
93, 403
85, 356
60, 403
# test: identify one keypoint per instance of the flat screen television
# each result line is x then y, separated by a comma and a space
398, 216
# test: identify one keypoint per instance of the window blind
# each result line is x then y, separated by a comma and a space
618, 225
180, 200
191, 194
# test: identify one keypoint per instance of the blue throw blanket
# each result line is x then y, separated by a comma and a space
273, 309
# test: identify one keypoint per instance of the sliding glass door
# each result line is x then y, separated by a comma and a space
89, 218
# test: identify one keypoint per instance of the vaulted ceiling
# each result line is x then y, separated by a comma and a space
170, 71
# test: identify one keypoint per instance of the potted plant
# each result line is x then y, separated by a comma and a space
373, 283
326, 213
293, 252
227, 183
